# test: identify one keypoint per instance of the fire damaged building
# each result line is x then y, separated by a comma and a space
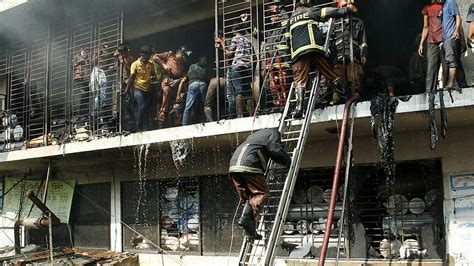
120, 118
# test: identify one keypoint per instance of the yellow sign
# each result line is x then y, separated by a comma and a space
58, 199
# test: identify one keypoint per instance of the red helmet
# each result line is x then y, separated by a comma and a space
342, 3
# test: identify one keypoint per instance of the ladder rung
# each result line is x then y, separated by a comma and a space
292, 119
288, 140
276, 190
259, 245
276, 183
292, 132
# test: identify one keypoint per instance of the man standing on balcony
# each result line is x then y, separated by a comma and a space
276, 56
174, 72
452, 44
81, 64
240, 73
124, 63
470, 33
247, 169
352, 71
433, 35
197, 78
141, 73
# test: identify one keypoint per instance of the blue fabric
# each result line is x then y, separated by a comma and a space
194, 100
143, 101
450, 11
230, 95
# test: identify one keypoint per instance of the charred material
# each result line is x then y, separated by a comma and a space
44, 209
434, 136
382, 109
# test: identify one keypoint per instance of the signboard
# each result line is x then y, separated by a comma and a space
462, 193
58, 199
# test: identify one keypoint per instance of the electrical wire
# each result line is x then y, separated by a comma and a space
10, 189
98, 207
232, 230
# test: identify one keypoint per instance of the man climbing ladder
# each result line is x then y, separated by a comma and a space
307, 40
247, 168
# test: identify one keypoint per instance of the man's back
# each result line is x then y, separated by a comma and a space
253, 154
243, 52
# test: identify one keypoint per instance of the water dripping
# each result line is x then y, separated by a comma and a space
140, 166
179, 152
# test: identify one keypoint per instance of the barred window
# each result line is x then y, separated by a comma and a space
179, 215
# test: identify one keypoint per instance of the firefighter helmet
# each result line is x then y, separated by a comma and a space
342, 3
184, 51
306, 2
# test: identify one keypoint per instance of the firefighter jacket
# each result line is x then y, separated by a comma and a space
305, 29
252, 156
359, 41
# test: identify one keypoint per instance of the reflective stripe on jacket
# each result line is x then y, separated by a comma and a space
253, 154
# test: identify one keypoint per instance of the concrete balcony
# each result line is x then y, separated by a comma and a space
411, 116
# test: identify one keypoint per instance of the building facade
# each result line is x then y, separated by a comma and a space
166, 193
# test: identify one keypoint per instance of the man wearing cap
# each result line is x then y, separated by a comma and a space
306, 41
173, 77
141, 73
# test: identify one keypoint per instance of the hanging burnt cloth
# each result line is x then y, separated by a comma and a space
383, 108
434, 137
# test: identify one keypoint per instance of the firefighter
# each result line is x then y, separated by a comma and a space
306, 41
247, 169
276, 52
352, 71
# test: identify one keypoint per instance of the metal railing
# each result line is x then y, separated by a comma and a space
61, 85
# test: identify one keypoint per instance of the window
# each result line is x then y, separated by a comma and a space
90, 217
179, 215
163, 213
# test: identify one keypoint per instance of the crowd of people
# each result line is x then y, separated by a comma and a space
160, 90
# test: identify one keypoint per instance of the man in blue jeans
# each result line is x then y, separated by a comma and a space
239, 76
141, 73
197, 77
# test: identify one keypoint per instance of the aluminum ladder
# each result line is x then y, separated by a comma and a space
294, 133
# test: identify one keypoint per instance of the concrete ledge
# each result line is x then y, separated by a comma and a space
417, 103
156, 259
